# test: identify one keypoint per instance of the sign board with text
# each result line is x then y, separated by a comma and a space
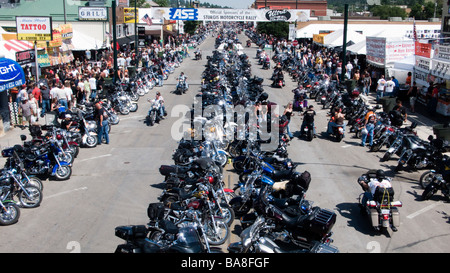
231, 15
34, 28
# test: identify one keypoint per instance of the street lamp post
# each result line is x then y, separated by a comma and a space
135, 35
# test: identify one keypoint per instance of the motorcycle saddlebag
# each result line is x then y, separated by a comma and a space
167, 170
321, 222
155, 211
130, 233
303, 179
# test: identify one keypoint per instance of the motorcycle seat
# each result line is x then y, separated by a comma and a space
281, 174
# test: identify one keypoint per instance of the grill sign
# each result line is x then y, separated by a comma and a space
278, 15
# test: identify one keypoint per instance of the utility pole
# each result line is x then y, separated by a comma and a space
135, 35
344, 45
113, 8
64, 8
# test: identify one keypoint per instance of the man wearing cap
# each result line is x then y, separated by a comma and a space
26, 110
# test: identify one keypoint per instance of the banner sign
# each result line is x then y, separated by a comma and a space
423, 50
440, 69
442, 53
231, 15
25, 57
129, 16
398, 50
423, 64
11, 74
34, 28
376, 50
66, 31
380, 51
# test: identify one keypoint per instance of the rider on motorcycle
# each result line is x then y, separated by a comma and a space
308, 118
160, 101
369, 185
337, 120
182, 79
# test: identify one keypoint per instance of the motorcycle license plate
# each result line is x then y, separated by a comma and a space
306, 129
385, 211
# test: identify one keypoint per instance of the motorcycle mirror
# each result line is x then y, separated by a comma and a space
23, 137
430, 137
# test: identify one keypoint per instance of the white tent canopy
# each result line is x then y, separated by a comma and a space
82, 41
336, 38
358, 48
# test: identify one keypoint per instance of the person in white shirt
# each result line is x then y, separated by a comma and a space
69, 93
93, 85
389, 90
61, 95
381, 86
372, 184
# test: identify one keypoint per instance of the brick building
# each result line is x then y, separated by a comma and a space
317, 7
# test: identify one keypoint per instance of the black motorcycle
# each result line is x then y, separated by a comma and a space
434, 180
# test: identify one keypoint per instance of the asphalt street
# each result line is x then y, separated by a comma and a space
113, 184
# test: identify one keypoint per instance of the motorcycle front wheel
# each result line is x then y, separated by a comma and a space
9, 214
217, 232
63, 172
426, 178
91, 141
32, 198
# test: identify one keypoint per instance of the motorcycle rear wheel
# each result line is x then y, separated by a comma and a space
429, 192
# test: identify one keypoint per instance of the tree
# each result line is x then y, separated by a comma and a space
386, 11
277, 29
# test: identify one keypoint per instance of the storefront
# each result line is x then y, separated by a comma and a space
440, 70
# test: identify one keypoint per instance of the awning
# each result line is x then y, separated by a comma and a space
11, 74
10, 47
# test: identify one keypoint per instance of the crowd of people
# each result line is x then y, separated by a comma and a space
81, 80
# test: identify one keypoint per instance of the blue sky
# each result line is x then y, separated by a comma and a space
237, 4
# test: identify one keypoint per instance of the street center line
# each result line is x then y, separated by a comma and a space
412, 215
65, 192
95, 157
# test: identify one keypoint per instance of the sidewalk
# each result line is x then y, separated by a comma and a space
421, 116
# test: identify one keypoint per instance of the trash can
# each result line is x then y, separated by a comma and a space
131, 71
350, 85
441, 131
388, 103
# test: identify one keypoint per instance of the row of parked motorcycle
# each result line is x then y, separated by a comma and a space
412, 153
53, 148
196, 210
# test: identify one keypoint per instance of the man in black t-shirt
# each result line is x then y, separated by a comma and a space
308, 118
398, 114
46, 99
101, 117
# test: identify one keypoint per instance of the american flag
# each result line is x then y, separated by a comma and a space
414, 30
147, 19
